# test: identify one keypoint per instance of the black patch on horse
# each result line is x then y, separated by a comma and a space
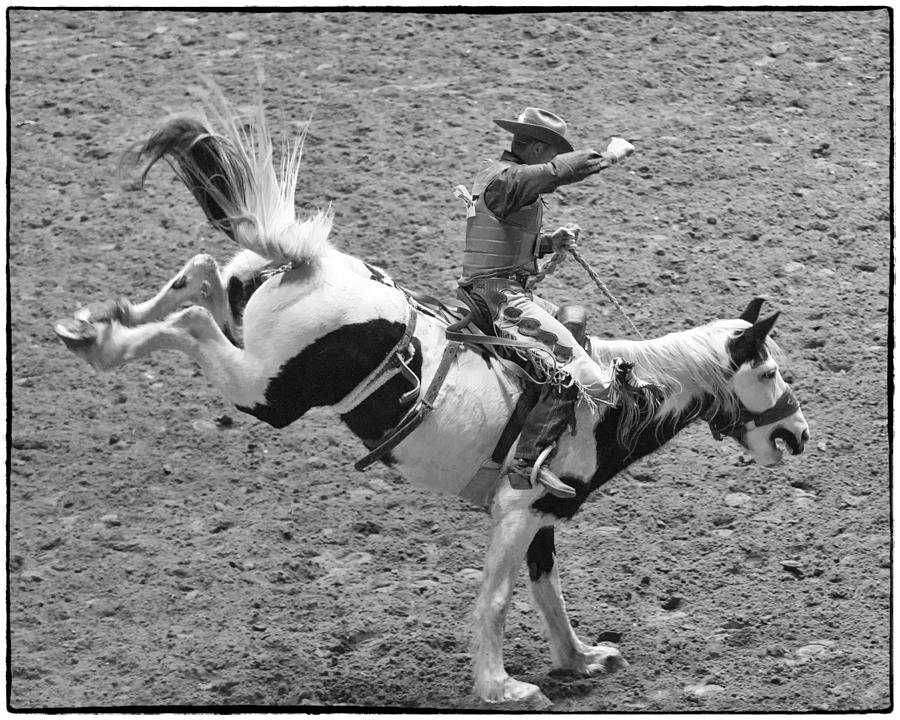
750, 345
239, 293
612, 458
541, 553
326, 371
382, 411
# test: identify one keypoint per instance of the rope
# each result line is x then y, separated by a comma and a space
581, 261
554, 262
548, 268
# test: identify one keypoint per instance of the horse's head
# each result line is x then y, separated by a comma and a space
766, 415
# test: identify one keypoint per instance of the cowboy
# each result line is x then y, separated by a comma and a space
503, 240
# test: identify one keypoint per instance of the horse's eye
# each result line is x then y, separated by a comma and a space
770, 375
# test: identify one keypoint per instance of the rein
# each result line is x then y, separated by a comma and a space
590, 271
722, 426
557, 258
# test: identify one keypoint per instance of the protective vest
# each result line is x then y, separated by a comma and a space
495, 246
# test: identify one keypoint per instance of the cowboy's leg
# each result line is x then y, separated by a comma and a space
546, 422
545, 305
567, 652
581, 366
569, 371
572, 315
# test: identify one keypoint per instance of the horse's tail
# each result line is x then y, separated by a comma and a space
230, 170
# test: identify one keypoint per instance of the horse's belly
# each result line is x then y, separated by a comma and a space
457, 438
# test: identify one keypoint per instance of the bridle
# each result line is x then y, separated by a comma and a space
722, 424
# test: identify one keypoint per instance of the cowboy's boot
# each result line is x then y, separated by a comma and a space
543, 426
574, 318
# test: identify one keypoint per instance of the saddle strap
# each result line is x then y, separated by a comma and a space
524, 405
388, 367
417, 414
479, 339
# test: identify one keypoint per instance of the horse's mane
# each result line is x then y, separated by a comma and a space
686, 366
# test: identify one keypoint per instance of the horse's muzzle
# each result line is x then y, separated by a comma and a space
794, 444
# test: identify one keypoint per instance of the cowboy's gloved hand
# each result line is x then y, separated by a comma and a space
617, 150
565, 237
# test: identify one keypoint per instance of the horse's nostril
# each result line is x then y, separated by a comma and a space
793, 443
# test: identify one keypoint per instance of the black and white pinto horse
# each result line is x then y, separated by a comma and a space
327, 329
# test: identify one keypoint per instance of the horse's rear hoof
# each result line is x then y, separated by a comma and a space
75, 333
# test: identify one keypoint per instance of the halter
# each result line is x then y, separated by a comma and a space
721, 424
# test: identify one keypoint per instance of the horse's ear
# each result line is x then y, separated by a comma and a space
764, 327
751, 314
750, 344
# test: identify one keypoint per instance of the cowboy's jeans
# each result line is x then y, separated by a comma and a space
547, 421
516, 312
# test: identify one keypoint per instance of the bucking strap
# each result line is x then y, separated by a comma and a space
417, 414
390, 366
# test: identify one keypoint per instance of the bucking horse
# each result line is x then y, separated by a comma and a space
292, 323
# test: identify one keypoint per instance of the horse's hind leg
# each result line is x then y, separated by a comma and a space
567, 652
198, 283
107, 345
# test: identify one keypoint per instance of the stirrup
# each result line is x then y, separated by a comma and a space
547, 478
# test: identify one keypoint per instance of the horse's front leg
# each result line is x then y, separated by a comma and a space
567, 652
198, 283
514, 525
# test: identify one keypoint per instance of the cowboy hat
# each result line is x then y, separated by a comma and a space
540, 125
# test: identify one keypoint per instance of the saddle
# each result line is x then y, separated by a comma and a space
469, 323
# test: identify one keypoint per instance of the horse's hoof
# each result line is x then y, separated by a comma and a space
105, 311
535, 702
523, 694
75, 333
606, 666
599, 660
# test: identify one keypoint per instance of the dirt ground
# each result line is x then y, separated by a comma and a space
165, 550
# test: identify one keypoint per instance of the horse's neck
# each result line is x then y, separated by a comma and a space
685, 364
